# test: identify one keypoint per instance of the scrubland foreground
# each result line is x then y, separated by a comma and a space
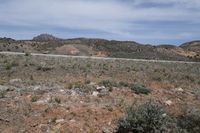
71, 95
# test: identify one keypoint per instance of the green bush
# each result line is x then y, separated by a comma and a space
190, 121
140, 89
147, 118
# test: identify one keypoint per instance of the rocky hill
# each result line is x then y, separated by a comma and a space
45, 37
46, 43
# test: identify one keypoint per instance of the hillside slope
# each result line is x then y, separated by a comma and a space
45, 43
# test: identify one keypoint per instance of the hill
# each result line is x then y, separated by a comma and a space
192, 46
45, 37
46, 43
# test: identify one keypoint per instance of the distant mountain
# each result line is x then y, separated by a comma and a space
46, 43
45, 37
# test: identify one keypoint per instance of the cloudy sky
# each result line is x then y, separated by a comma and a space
145, 21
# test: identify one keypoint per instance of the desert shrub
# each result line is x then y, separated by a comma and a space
157, 78
187, 77
76, 85
89, 66
31, 77
140, 89
108, 83
2, 93
8, 66
190, 121
57, 100
34, 99
123, 84
149, 117
44, 68
196, 92
87, 81
53, 120
69, 86
14, 63
81, 87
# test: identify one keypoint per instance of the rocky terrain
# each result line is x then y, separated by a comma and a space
41, 94
46, 43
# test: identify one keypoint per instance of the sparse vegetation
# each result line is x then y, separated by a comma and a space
123, 84
140, 89
2, 93
34, 98
190, 121
53, 120
81, 87
8, 66
76, 85
196, 91
44, 68
87, 81
86, 101
108, 83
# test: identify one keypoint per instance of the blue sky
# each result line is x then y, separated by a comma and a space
144, 21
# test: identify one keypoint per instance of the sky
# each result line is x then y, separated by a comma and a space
144, 21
